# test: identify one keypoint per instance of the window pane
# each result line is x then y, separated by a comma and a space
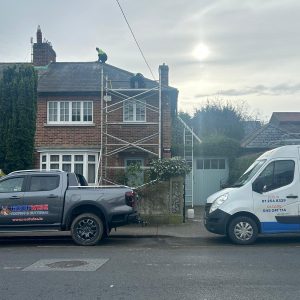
221, 163
264, 181
87, 111
91, 158
199, 163
76, 111
54, 158
54, 166
283, 173
128, 110
135, 177
11, 185
43, 183
52, 113
66, 167
140, 111
214, 164
91, 173
44, 158
206, 163
43, 166
78, 169
64, 111
78, 157
66, 157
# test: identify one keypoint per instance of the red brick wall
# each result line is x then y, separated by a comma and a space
66, 136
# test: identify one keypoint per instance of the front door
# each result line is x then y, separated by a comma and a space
276, 197
11, 200
43, 200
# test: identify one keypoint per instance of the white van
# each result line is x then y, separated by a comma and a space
264, 200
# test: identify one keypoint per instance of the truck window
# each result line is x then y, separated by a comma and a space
277, 174
43, 183
11, 185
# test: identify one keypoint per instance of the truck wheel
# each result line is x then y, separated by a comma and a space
87, 229
242, 230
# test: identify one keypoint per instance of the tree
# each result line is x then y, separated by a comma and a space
216, 118
18, 94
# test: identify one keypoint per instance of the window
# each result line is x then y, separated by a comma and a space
43, 183
213, 164
135, 176
11, 185
83, 163
277, 174
69, 112
134, 111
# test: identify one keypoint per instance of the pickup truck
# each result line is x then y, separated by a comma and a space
35, 200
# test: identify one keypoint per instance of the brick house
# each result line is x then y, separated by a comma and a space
91, 114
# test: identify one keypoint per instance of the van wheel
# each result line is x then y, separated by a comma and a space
242, 230
87, 229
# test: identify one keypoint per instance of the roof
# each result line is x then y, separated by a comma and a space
263, 137
278, 117
270, 136
83, 77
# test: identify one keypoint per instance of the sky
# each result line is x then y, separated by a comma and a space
246, 52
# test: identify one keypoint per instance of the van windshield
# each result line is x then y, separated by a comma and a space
250, 172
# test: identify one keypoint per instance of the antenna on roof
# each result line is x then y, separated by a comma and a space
31, 42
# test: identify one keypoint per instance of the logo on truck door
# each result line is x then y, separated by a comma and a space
24, 210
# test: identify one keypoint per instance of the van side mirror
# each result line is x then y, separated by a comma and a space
258, 187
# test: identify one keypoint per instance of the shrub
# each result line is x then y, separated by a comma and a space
164, 169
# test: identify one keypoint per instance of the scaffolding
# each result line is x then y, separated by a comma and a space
188, 154
111, 143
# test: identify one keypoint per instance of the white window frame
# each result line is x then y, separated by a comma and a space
134, 103
45, 162
70, 103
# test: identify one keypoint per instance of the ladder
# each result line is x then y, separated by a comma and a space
188, 142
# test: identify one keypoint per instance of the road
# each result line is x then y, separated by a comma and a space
125, 267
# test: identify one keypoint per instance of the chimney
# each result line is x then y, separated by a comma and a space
43, 53
164, 74
39, 36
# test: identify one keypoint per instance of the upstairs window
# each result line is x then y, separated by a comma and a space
134, 111
70, 112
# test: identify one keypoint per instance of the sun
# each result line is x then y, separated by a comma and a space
201, 52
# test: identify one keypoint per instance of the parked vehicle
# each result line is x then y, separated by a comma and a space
55, 200
264, 200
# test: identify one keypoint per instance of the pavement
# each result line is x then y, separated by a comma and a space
191, 228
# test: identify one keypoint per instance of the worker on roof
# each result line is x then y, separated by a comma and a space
102, 56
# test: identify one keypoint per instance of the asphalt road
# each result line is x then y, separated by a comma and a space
125, 267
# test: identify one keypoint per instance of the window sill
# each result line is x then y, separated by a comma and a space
138, 123
70, 125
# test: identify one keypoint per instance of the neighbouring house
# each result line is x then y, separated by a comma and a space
96, 119
282, 129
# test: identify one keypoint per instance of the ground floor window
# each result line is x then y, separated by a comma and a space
84, 163
134, 175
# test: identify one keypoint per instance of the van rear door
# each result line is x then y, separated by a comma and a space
276, 196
